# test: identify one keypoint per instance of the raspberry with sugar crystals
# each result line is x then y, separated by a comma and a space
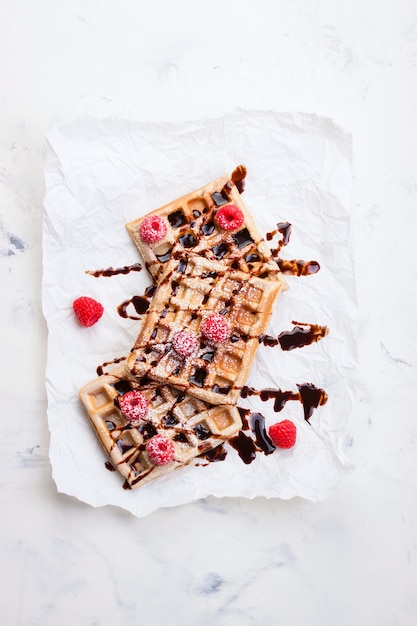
215, 328
152, 229
160, 450
283, 434
230, 217
184, 343
133, 405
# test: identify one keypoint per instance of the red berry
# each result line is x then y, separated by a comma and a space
215, 328
87, 310
133, 405
230, 217
160, 450
184, 343
283, 434
153, 228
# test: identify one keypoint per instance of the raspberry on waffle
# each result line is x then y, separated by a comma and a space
212, 221
192, 293
190, 425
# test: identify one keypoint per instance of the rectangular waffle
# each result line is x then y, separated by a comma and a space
191, 226
193, 426
192, 289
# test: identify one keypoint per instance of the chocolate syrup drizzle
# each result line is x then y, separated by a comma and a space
308, 394
100, 368
301, 335
111, 271
294, 267
257, 440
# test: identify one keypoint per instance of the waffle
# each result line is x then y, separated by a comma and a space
191, 290
193, 426
191, 227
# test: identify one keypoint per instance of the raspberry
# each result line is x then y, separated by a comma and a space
133, 405
160, 450
153, 228
283, 434
230, 217
87, 310
184, 343
215, 328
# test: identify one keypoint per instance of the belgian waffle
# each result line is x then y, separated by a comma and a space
191, 227
193, 426
192, 289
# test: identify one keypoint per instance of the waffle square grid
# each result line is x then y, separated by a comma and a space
194, 426
191, 227
193, 288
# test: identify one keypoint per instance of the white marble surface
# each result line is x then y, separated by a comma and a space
349, 559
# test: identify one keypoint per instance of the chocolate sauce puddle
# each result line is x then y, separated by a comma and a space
247, 446
111, 271
139, 303
301, 335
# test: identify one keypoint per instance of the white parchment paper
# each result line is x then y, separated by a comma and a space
101, 174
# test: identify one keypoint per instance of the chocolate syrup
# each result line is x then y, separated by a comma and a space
147, 430
257, 424
294, 267
150, 291
238, 177
182, 266
308, 394
242, 238
208, 356
222, 390
123, 445
301, 335
208, 228
187, 241
252, 258
177, 219
163, 258
298, 267
220, 198
311, 398
244, 446
284, 228
122, 386
181, 438
202, 432
280, 397
268, 340
219, 453
220, 250
111, 271
169, 420
139, 303
198, 377
100, 368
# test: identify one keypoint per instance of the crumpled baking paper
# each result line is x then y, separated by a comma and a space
101, 174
